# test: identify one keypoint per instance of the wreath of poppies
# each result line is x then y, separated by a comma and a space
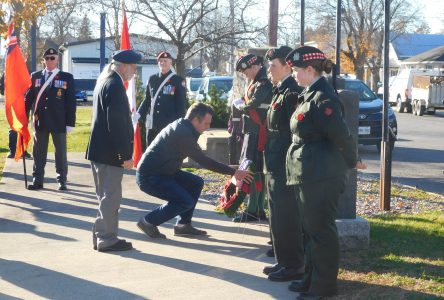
233, 195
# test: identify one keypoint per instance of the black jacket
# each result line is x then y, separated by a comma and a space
170, 103
112, 133
283, 105
322, 146
57, 105
172, 145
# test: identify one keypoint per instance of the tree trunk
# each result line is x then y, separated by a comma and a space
180, 63
376, 79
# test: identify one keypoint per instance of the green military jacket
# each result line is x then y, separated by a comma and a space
257, 96
322, 146
283, 105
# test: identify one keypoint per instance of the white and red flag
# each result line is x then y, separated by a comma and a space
130, 86
17, 82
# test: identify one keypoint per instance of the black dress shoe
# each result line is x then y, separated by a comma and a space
298, 286
27, 155
95, 245
270, 269
10, 155
270, 253
121, 245
308, 296
35, 186
62, 186
285, 274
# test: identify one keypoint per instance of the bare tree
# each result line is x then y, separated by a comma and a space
185, 23
362, 24
62, 21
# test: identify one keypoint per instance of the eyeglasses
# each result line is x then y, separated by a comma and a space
50, 57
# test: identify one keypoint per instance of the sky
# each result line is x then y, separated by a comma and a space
433, 11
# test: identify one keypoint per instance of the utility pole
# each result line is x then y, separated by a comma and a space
273, 22
302, 22
232, 62
338, 36
102, 41
386, 150
33, 46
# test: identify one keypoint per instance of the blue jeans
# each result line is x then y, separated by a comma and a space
181, 191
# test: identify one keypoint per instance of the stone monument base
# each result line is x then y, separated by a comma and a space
354, 234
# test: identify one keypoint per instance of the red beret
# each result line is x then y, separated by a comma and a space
164, 54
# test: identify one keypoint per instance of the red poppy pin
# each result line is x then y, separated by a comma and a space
300, 117
275, 105
328, 111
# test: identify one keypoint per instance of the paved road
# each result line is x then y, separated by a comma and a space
418, 158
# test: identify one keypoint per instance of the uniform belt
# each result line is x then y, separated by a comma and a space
298, 140
277, 133
264, 106
235, 119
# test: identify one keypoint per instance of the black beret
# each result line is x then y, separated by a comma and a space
244, 62
280, 52
164, 54
127, 56
300, 56
50, 51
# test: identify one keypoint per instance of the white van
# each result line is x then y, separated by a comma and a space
401, 88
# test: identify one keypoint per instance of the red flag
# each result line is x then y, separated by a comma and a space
130, 86
17, 82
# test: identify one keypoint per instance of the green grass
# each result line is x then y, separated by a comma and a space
404, 260
77, 140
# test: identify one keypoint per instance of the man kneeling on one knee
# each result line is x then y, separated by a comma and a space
159, 174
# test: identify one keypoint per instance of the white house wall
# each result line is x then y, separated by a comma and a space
149, 47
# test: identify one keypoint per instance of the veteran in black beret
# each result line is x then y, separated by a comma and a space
110, 146
254, 106
51, 97
318, 160
165, 99
285, 219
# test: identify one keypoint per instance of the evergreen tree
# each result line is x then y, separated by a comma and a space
85, 32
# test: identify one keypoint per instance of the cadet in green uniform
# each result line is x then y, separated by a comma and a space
318, 160
285, 220
254, 108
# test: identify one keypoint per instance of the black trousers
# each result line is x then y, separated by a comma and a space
318, 203
285, 222
40, 153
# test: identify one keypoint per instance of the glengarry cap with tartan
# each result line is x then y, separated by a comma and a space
164, 54
280, 52
244, 62
50, 51
127, 56
299, 57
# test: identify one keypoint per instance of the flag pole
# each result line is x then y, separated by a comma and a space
24, 163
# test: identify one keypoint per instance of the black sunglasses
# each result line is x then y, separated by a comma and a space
50, 57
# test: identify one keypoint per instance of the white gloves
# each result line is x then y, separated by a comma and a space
238, 103
69, 129
135, 117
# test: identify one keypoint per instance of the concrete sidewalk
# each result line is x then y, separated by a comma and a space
46, 247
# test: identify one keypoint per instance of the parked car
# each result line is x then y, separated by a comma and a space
193, 85
223, 85
81, 95
400, 90
370, 114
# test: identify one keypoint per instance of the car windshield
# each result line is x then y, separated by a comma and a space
195, 84
365, 93
221, 84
